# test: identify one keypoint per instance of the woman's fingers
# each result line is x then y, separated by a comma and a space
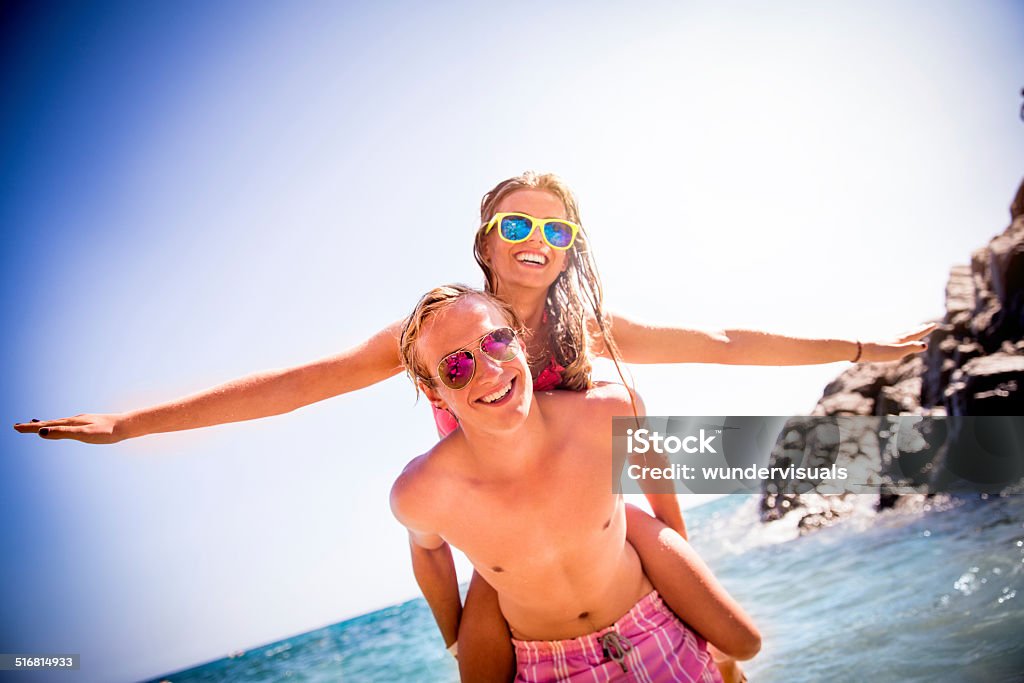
918, 333
36, 425
911, 347
66, 432
881, 353
85, 434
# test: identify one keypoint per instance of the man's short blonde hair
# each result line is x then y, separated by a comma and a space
429, 305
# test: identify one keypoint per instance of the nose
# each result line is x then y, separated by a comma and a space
486, 367
536, 237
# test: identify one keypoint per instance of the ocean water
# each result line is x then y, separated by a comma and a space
932, 592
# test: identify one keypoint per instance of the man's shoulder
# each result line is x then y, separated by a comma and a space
603, 400
429, 465
419, 482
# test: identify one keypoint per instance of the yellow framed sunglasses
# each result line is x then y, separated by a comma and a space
515, 227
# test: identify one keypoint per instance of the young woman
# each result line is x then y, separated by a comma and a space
536, 257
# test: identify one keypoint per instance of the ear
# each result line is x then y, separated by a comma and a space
485, 251
432, 396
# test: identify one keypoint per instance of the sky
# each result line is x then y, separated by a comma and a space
192, 192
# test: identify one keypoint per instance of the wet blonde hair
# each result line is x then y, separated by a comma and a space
429, 305
573, 298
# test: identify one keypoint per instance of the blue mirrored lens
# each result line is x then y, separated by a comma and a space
515, 228
558, 234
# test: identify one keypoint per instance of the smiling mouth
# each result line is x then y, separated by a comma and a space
532, 258
498, 395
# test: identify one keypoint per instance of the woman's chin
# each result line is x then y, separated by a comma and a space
523, 279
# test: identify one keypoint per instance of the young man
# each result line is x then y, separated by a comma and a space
524, 489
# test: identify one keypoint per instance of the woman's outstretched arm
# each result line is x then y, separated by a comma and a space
259, 395
641, 343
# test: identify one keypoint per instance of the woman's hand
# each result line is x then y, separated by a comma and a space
86, 428
903, 346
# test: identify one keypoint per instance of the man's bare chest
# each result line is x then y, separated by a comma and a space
530, 521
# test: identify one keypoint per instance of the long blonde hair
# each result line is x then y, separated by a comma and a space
574, 297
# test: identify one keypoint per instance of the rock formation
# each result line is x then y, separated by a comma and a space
974, 365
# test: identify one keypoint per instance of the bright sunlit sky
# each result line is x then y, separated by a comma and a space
192, 192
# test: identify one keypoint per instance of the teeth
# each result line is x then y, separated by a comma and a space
532, 258
497, 395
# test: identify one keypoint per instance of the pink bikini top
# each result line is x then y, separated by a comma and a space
549, 378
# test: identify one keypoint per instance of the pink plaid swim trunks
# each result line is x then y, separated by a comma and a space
648, 645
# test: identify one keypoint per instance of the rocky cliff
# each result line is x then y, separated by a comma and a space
974, 365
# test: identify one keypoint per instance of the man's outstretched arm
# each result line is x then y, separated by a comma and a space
434, 569
432, 561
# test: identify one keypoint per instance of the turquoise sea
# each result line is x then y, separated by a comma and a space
931, 592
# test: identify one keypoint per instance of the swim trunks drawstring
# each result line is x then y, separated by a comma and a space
615, 648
